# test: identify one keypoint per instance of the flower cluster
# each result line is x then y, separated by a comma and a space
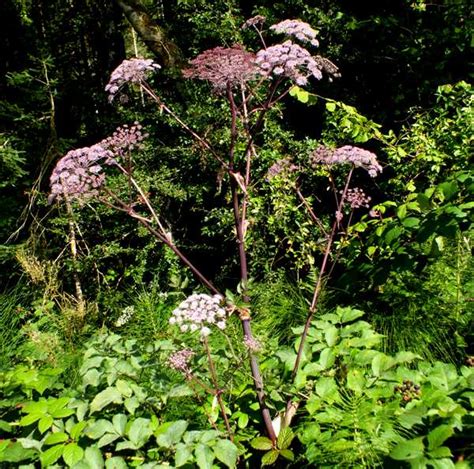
127, 314
252, 344
357, 198
289, 60
282, 167
199, 311
347, 155
179, 361
129, 71
254, 22
125, 139
408, 391
223, 66
78, 174
297, 29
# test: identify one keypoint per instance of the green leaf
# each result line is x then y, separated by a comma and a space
407, 450
170, 433
441, 452
115, 463
411, 222
38, 407
55, 438
45, 423
382, 362
29, 419
393, 234
355, 381
51, 455
107, 439
76, 430
331, 107
140, 431
439, 435
124, 388
288, 454
261, 443
182, 454
132, 404
99, 428
349, 314
326, 387
204, 456
104, 398
327, 358
72, 454
269, 458
91, 378
119, 421
226, 452
94, 457
285, 437
330, 335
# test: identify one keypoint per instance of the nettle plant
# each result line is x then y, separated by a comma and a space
252, 84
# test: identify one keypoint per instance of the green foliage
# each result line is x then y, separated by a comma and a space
360, 411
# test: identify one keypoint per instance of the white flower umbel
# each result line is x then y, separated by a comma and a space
198, 312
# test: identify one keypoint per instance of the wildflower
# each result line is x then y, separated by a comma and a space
223, 66
297, 29
198, 312
132, 70
252, 344
357, 198
78, 174
125, 317
289, 60
283, 166
125, 139
347, 155
255, 21
179, 361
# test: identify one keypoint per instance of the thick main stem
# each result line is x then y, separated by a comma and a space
245, 318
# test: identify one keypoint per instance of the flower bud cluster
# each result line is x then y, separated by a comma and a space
347, 155
223, 66
179, 361
289, 60
124, 318
282, 167
132, 70
252, 344
125, 139
254, 21
408, 390
198, 312
357, 198
297, 29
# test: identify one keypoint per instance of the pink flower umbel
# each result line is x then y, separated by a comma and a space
223, 66
298, 30
129, 71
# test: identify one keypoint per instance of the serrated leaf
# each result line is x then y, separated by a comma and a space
261, 443
115, 463
45, 423
182, 455
204, 457
139, 431
408, 449
51, 455
226, 452
288, 454
55, 438
285, 437
170, 433
76, 430
93, 457
269, 458
72, 454
107, 396
439, 435
119, 421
